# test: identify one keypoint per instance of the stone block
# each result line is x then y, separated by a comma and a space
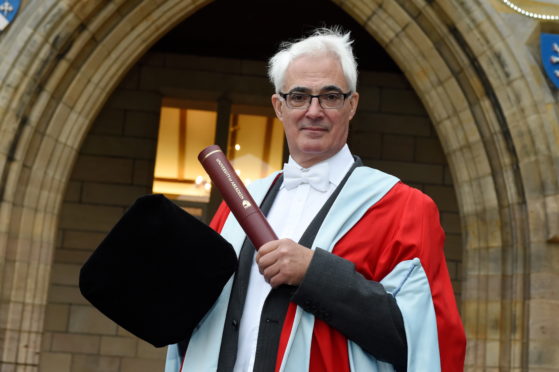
132, 79
453, 247
29, 348
47, 341
543, 354
153, 59
395, 123
398, 148
95, 363
456, 288
495, 318
71, 256
492, 354
86, 319
22, 271
73, 191
10, 315
127, 147
141, 365
448, 176
59, 119
66, 342
65, 274
138, 100
103, 169
552, 216
112, 194
148, 351
541, 329
382, 79
412, 172
85, 240
369, 98
123, 332
89, 217
143, 173
401, 101
141, 124
452, 269
444, 197
429, 150
110, 121
55, 362
118, 346
447, 130
10, 345
64, 294
364, 144
377, 21
544, 286
450, 222
56, 317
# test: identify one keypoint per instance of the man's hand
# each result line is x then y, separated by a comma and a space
283, 262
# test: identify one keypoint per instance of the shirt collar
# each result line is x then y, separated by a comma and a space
339, 164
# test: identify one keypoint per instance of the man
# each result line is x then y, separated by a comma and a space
373, 292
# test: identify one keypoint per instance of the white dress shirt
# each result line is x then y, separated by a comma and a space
290, 215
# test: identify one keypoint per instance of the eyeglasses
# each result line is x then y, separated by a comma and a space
302, 101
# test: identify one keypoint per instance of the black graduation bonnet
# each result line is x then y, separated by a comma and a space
158, 271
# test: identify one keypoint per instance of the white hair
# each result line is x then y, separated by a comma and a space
323, 41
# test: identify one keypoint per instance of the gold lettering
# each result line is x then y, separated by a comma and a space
228, 175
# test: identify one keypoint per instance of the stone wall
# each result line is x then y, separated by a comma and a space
391, 132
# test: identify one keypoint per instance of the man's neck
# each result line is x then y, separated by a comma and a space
307, 162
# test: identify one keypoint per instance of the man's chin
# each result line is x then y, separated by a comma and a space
314, 132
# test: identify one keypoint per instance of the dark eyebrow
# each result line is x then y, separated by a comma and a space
331, 88
300, 90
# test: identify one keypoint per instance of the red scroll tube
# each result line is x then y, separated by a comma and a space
236, 196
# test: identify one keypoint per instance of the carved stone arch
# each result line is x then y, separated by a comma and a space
494, 115
490, 106
65, 59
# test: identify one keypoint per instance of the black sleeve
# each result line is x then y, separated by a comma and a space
361, 309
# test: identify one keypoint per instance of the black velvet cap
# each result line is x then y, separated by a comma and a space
158, 271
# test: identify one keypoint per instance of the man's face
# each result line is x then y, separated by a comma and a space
315, 134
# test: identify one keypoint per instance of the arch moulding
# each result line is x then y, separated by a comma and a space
66, 57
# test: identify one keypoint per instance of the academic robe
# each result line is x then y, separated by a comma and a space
391, 234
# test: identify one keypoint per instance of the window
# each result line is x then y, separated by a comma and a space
255, 143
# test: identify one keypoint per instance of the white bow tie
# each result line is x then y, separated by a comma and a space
316, 176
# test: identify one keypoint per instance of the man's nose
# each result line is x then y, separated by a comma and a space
314, 107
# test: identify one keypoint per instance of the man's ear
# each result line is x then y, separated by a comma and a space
353, 102
277, 102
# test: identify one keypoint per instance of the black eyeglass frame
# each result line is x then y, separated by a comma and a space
317, 96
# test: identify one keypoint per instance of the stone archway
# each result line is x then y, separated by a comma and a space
489, 105
484, 97
66, 58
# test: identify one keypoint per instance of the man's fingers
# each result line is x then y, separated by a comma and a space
270, 272
283, 262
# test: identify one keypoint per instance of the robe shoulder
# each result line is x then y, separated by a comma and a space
403, 225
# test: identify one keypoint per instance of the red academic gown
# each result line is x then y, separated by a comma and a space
403, 225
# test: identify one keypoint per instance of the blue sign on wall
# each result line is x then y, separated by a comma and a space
549, 48
8, 11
